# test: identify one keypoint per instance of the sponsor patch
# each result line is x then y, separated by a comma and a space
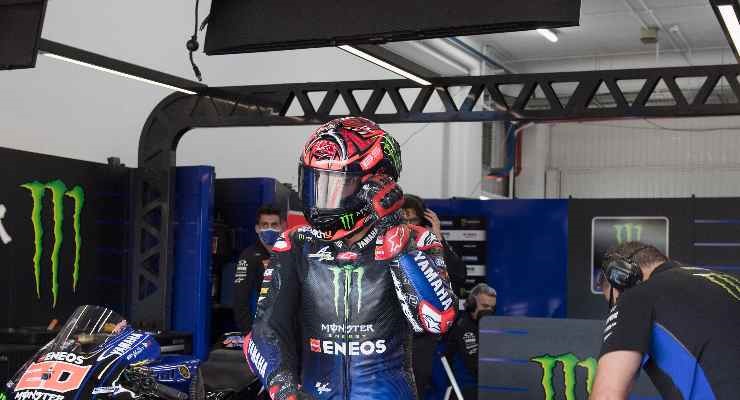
324, 254
126, 344
434, 279
36, 395
392, 243
63, 356
53, 376
258, 361
365, 348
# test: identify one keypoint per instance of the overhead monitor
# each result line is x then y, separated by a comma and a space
245, 26
20, 30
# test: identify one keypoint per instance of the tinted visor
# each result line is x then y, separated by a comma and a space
327, 190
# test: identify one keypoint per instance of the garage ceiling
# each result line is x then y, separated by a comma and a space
608, 38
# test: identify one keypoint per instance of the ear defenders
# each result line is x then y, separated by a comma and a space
623, 272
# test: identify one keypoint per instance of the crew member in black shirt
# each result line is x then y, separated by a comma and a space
681, 324
462, 340
251, 265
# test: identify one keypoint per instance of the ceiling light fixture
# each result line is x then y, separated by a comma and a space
727, 12
114, 72
113, 66
548, 34
384, 64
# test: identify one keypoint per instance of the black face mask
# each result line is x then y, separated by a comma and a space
483, 313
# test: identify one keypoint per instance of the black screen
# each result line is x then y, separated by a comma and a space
20, 30
242, 26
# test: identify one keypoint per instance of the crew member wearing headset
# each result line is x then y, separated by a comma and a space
680, 324
462, 341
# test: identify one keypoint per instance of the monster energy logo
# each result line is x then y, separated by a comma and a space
58, 191
347, 220
347, 271
727, 282
393, 151
628, 232
569, 363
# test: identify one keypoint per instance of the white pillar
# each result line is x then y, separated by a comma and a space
535, 155
463, 173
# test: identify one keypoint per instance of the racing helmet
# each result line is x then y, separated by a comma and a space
337, 160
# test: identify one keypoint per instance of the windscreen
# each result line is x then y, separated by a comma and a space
87, 329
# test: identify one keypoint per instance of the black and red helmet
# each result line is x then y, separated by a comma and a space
337, 159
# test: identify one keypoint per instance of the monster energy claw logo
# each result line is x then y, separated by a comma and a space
569, 363
347, 220
393, 151
347, 272
727, 282
628, 232
58, 191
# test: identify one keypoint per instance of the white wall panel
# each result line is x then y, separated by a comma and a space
636, 158
650, 182
637, 143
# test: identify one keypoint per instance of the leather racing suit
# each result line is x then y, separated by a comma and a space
354, 307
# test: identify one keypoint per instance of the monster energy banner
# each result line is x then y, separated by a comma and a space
607, 232
63, 230
542, 358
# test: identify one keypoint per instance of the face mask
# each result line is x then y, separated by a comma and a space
269, 236
484, 313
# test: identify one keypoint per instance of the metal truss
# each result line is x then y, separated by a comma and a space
660, 92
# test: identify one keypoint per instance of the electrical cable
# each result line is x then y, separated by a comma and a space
460, 95
411, 136
192, 45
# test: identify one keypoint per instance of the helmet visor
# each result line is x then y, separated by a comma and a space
327, 190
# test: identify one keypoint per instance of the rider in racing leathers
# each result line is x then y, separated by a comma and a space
353, 286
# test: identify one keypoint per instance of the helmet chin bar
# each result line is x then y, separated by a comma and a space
337, 224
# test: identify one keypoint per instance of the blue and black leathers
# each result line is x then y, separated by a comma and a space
354, 309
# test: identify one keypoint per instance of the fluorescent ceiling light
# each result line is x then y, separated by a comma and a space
114, 72
384, 64
731, 23
548, 34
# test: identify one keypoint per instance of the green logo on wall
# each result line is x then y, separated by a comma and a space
569, 362
347, 272
628, 232
58, 191
347, 220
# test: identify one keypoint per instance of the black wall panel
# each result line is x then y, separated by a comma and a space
100, 236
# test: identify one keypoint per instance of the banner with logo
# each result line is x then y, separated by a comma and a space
543, 358
63, 237
607, 232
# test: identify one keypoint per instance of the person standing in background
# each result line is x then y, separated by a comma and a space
462, 340
251, 265
425, 345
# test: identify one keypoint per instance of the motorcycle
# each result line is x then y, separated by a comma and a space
98, 355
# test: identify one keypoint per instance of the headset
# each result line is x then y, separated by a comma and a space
623, 272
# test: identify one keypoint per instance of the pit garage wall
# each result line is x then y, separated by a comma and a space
703, 232
527, 251
632, 159
102, 242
